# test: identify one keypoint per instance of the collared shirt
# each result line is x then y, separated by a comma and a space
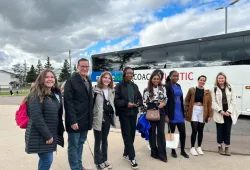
86, 82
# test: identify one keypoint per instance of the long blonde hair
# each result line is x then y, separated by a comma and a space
100, 83
40, 88
224, 75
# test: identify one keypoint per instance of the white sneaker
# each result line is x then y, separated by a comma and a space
193, 151
199, 150
149, 148
134, 164
108, 165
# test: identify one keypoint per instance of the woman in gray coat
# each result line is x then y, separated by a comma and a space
45, 127
104, 116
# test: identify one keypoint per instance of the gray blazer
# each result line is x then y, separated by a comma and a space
98, 108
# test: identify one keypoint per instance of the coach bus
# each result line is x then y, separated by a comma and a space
228, 53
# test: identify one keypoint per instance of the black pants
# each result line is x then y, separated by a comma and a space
182, 131
128, 128
101, 144
159, 151
224, 130
197, 127
11, 92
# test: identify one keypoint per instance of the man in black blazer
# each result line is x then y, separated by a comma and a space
78, 113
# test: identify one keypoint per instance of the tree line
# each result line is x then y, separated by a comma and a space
28, 76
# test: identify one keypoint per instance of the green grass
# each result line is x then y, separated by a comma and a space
21, 88
8, 94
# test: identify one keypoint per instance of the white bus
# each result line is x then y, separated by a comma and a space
228, 53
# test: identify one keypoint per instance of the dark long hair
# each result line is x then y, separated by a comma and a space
161, 72
125, 71
150, 84
201, 77
170, 74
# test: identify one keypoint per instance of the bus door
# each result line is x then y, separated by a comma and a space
238, 93
245, 99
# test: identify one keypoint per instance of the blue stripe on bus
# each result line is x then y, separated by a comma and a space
117, 76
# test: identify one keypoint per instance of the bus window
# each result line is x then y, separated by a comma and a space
106, 62
247, 47
130, 59
221, 52
153, 58
182, 55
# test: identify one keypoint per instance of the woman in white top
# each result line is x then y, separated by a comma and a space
103, 117
224, 111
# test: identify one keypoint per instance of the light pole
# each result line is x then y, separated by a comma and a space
70, 63
226, 7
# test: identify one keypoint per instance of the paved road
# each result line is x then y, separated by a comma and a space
241, 128
10, 100
12, 155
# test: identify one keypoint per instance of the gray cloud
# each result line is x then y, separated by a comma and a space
46, 15
33, 29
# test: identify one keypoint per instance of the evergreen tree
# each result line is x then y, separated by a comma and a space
48, 64
75, 68
75, 71
31, 75
65, 73
39, 67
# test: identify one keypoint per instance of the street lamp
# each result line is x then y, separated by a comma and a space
226, 7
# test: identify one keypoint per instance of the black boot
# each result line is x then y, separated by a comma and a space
173, 153
183, 153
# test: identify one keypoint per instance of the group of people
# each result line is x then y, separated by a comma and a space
88, 107
198, 107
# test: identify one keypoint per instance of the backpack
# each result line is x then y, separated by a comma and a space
22, 118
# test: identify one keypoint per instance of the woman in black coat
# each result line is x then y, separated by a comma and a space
127, 100
45, 127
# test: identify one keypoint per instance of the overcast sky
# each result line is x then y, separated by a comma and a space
32, 29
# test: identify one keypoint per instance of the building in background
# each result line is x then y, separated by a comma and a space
6, 77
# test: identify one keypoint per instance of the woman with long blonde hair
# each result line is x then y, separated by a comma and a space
103, 118
224, 111
45, 127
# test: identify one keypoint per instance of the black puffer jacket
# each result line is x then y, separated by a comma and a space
45, 122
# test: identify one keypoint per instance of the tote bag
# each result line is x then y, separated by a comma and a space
172, 139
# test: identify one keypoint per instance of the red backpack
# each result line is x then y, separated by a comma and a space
21, 115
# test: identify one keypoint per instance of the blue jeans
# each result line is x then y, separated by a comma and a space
45, 160
75, 148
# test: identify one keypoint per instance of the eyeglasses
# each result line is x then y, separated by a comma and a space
84, 66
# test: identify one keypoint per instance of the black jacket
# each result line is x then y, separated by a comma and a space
170, 106
78, 103
45, 122
121, 98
